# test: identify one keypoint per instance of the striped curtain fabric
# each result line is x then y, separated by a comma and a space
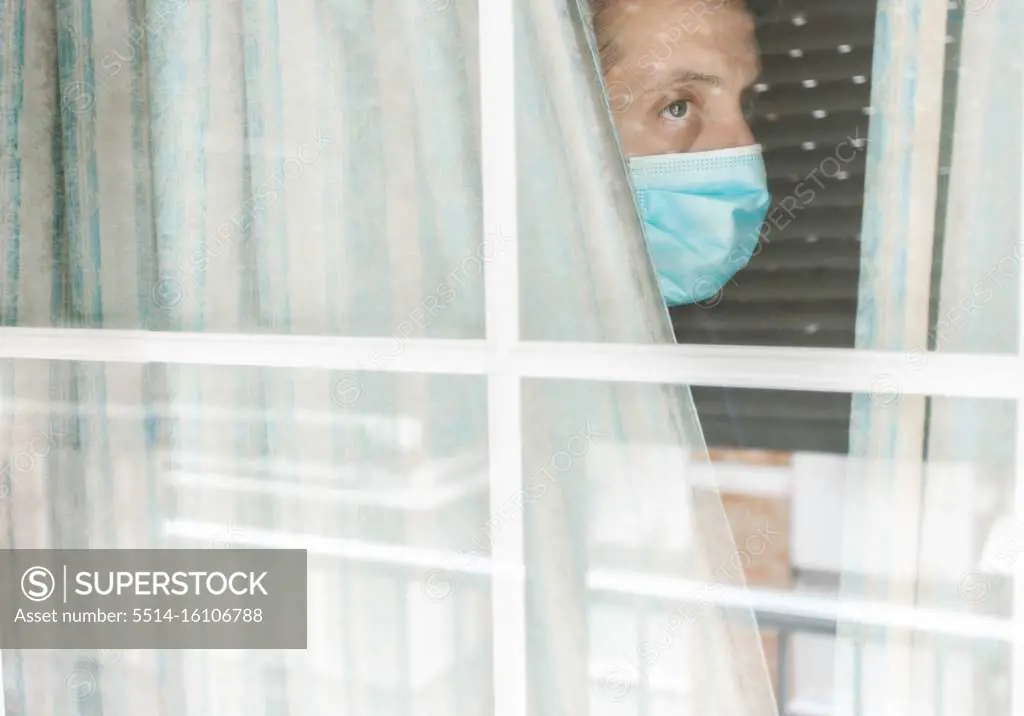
313, 167
956, 494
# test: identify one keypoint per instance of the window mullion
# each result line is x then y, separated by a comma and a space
504, 394
1017, 667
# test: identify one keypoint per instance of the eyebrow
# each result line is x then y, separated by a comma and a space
685, 77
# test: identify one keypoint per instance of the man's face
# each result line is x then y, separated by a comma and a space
680, 74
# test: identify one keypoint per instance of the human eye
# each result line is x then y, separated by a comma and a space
678, 111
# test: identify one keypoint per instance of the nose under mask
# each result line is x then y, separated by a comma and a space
702, 216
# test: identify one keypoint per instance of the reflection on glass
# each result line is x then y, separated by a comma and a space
383, 485
855, 565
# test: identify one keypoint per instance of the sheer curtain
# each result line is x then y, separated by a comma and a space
313, 167
931, 484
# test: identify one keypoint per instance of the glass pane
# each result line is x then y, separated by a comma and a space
810, 110
917, 551
612, 522
584, 272
383, 478
880, 585
307, 167
893, 161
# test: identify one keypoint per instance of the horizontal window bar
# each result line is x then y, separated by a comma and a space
838, 370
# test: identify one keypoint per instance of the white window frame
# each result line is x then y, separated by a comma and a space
1017, 671
506, 361
824, 370
504, 395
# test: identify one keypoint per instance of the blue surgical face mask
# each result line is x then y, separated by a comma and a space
702, 215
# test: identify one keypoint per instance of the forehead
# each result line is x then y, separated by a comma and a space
708, 36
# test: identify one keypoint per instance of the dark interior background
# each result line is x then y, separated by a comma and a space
801, 289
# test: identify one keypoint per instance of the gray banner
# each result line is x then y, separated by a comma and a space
153, 599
